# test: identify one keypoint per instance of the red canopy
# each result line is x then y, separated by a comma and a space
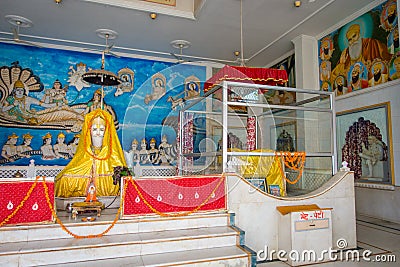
245, 74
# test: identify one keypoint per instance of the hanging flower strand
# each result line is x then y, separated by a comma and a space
292, 160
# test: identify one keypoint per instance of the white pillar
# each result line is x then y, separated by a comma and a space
306, 58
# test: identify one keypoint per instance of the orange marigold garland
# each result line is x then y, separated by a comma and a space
292, 160
68, 231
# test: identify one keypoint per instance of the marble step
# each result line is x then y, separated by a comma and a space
134, 225
54, 251
221, 256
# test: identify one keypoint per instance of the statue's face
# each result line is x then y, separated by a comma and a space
134, 146
97, 131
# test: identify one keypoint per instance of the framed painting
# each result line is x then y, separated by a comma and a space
237, 137
283, 137
364, 142
274, 189
259, 183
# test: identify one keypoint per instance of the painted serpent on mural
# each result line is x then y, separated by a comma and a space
19, 109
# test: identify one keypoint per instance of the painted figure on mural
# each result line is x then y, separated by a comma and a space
364, 50
95, 103
143, 153
158, 83
23, 109
325, 71
75, 76
388, 16
364, 148
26, 145
61, 148
98, 152
57, 94
340, 86
10, 148
357, 77
393, 41
378, 73
132, 156
18, 104
326, 87
326, 49
47, 148
72, 145
165, 151
372, 153
396, 66
153, 152
191, 90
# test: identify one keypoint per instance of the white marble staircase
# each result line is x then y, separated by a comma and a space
195, 240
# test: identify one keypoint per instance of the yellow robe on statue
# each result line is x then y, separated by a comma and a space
74, 179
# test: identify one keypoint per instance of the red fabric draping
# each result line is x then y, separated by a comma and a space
246, 74
175, 195
35, 208
251, 133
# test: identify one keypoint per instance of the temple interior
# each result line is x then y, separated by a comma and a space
134, 135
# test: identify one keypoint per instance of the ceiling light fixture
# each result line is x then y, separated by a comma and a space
58, 1
180, 44
297, 3
103, 77
236, 53
153, 15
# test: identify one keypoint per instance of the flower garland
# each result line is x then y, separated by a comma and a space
28, 194
82, 236
174, 214
292, 160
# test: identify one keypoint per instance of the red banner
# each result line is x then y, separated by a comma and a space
34, 210
179, 194
247, 74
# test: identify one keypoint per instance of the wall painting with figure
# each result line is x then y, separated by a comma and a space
43, 102
362, 53
364, 142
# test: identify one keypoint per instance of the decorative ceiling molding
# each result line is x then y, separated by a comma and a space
183, 9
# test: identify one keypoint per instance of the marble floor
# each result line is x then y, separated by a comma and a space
382, 238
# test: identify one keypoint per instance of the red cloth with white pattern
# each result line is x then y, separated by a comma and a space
178, 194
35, 208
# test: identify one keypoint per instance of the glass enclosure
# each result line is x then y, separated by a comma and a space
261, 132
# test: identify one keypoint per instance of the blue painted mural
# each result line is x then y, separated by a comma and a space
43, 100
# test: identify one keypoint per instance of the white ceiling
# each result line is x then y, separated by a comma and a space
268, 26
